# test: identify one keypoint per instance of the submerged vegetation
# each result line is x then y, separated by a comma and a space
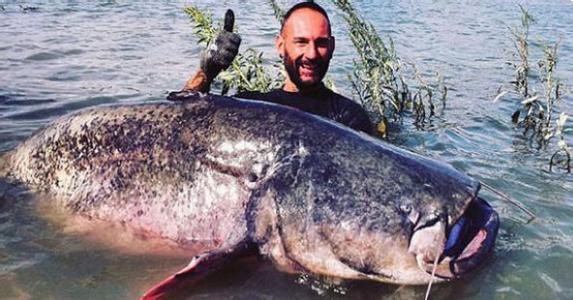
538, 115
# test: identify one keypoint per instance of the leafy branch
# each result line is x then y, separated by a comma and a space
378, 78
538, 109
277, 10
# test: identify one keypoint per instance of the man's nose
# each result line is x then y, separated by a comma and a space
311, 52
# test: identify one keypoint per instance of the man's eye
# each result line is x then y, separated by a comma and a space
322, 43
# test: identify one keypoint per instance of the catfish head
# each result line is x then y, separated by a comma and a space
384, 215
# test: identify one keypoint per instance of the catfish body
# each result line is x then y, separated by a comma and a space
217, 172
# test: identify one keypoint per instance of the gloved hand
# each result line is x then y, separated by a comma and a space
222, 51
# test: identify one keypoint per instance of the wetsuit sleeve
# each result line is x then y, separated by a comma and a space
357, 119
250, 95
352, 115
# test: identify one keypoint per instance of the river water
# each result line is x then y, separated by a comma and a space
68, 55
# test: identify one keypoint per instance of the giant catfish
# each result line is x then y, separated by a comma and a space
223, 175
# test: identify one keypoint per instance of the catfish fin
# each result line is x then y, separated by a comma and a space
199, 267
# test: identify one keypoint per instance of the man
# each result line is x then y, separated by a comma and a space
305, 44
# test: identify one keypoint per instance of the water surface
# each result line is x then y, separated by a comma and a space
66, 56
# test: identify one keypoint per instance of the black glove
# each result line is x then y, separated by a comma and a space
221, 52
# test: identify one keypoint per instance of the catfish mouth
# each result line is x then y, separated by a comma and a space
470, 240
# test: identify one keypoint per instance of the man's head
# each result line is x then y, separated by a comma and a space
305, 44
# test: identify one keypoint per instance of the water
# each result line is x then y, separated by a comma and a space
69, 55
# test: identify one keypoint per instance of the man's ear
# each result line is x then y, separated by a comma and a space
280, 45
332, 46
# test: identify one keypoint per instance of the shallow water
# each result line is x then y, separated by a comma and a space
67, 56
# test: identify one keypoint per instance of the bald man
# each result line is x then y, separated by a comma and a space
305, 44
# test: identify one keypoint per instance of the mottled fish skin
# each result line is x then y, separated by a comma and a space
314, 195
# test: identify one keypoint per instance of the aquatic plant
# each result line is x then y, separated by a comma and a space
379, 80
247, 72
563, 154
277, 10
537, 113
521, 44
204, 29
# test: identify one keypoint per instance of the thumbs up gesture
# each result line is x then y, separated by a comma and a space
222, 51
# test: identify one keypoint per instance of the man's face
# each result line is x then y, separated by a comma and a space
306, 47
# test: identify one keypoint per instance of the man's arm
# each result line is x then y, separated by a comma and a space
218, 56
360, 121
198, 83
350, 113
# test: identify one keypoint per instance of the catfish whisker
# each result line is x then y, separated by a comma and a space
433, 276
512, 201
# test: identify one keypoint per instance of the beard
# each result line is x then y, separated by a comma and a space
292, 68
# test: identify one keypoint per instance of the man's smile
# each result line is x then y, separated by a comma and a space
308, 69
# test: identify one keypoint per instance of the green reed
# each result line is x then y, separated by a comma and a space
277, 10
521, 45
538, 111
379, 79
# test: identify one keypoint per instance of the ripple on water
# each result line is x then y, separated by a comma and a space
9, 101
56, 54
65, 76
55, 110
45, 56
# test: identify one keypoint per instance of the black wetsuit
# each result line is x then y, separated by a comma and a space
324, 102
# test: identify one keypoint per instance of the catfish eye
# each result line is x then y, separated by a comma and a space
413, 215
252, 177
